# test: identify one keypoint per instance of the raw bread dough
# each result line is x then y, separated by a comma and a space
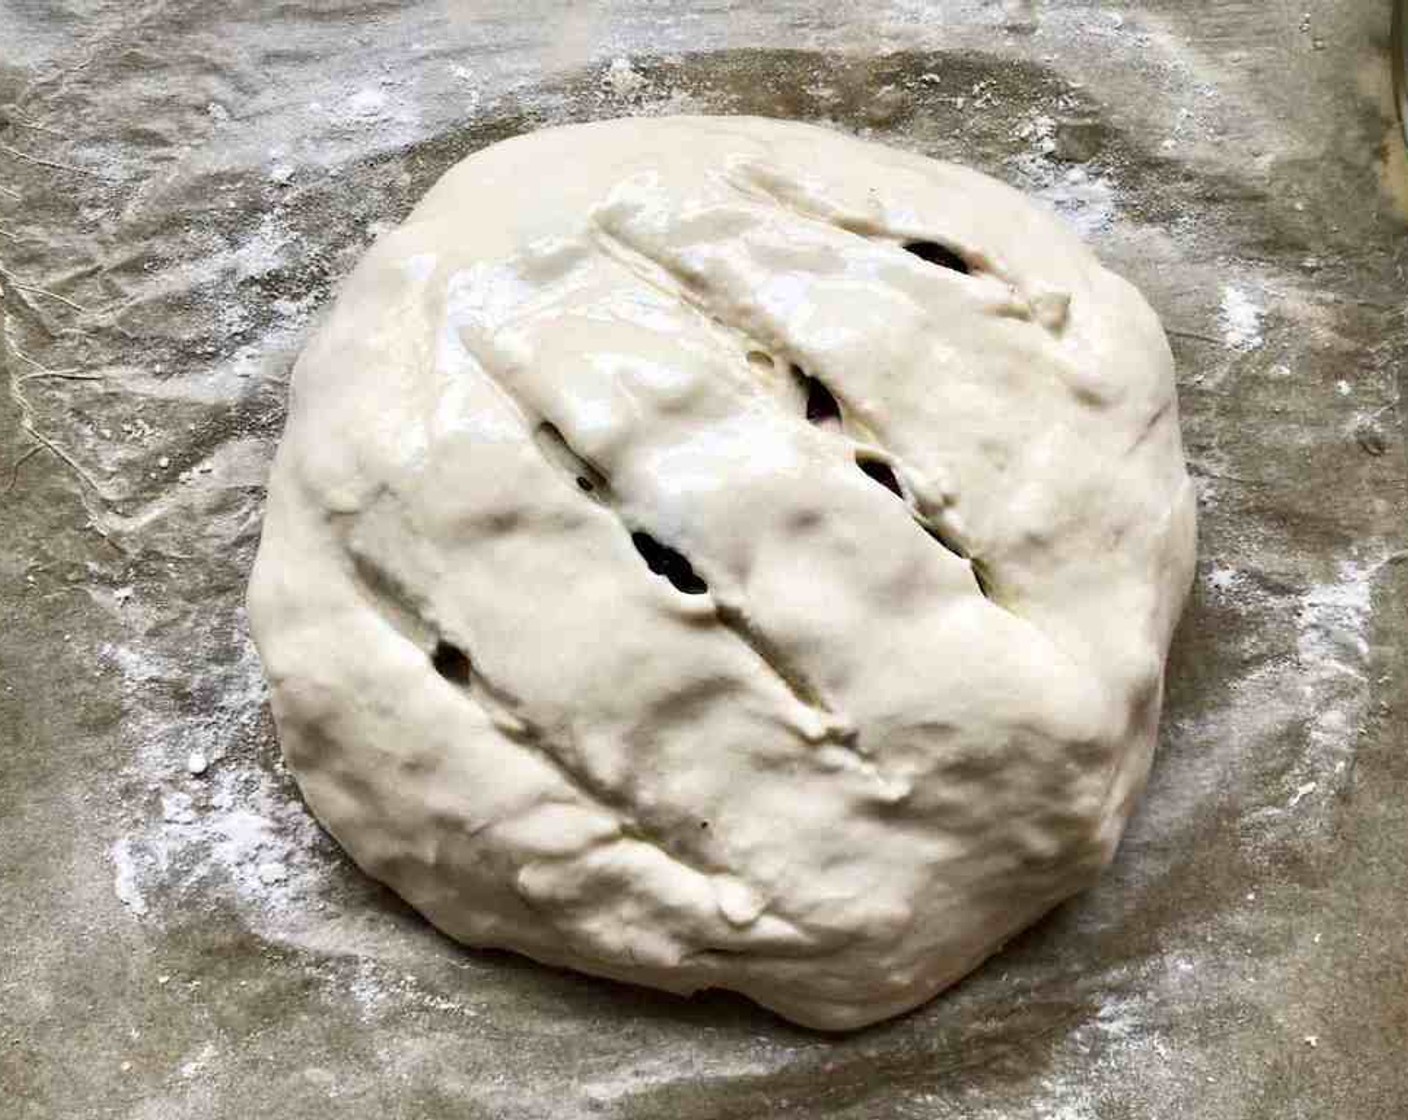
718, 552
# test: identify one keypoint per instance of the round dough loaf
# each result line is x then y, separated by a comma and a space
719, 552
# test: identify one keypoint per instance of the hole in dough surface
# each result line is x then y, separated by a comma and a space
666, 561
452, 663
937, 254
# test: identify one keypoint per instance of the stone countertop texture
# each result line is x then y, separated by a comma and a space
182, 185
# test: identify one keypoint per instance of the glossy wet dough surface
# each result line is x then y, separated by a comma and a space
746, 559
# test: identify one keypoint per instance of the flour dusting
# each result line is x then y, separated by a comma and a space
622, 79
225, 823
125, 877
1240, 318
1223, 581
1332, 652
1125, 1032
1083, 193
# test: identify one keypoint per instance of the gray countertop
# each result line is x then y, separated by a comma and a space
182, 184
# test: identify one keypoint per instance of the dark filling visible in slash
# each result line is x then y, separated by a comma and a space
882, 473
665, 561
822, 408
935, 253
452, 663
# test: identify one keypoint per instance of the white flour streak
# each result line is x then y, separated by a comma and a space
232, 831
1083, 195
1317, 691
197, 1065
1223, 581
1040, 131
1302, 791
635, 94
1240, 318
1124, 1032
622, 79
1332, 653
124, 879
1086, 202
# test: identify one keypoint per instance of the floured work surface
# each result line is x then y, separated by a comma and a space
178, 193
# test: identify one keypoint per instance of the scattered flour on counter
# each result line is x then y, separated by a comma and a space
261, 839
1322, 690
1125, 1058
1123, 1032
632, 93
676, 1065
1083, 195
379, 988
1223, 581
1240, 318
262, 251
1086, 202
1039, 130
368, 990
1308, 679
1301, 791
622, 79
366, 105
125, 876
234, 831
1332, 653
195, 1066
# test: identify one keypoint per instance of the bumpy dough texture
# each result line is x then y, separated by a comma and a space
679, 568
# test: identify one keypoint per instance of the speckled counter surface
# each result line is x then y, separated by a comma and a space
181, 187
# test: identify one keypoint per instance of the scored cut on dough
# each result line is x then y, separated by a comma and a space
720, 552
